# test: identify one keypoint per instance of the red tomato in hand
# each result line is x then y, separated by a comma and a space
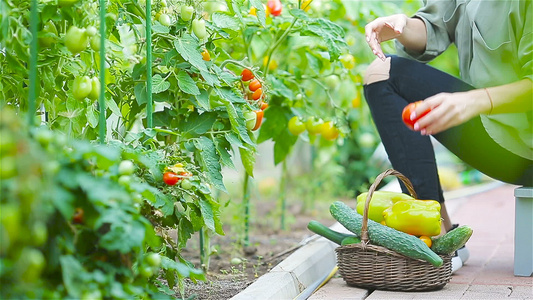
408, 110
246, 75
170, 178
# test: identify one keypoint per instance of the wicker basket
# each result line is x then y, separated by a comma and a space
374, 267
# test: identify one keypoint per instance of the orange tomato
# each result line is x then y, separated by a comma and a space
427, 240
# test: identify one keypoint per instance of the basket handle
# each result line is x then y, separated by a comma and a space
379, 178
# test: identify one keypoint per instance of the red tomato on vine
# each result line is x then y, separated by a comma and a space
257, 94
259, 119
246, 75
274, 7
254, 85
171, 178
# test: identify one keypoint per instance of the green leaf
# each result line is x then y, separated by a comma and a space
124, 238
248, 159
236, 119
300, 14
92, 116
185, 231
74, 275
209, 160
203, 99
198, 124
189, 49
223, 148
331, 33
233, 139
159, 85
158, 28
112, 105
187, 84
228, 94
225, 20
260, 11
207, 214
140, 93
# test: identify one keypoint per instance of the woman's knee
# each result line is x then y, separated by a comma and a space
377, 71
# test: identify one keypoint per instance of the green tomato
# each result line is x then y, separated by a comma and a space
296, 126
146, 272
366, 140
348, 61
49, 28
250, 118
313, 125
95, 89
8, 167
153, 260
164, 19
91, 31
124, 180
332, 81
186, 12
81, 87
76, 39
198, 27
186, 184
44, 136
39, 234
126, 167
31, 264
95, 43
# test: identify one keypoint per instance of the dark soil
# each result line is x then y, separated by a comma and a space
268, 247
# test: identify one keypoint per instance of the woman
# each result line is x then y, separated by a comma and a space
485, 118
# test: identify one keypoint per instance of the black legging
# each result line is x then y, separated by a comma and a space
412, 153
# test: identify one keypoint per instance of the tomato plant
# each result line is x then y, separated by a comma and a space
164, 19
408, 110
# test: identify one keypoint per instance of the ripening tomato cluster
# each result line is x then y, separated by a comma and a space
254, 118
186, 13
178, 174
272, 8
314, 126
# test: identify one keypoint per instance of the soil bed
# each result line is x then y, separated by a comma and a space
268, 247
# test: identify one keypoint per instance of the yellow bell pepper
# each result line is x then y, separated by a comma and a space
416, 217
380, 201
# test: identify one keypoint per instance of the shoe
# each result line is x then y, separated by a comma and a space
457, 263
463, 253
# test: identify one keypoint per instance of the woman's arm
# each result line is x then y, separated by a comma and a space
451, 109
411, 32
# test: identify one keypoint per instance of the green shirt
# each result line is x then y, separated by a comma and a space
494, 41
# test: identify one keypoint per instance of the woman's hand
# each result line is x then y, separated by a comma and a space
448, 110
384, 29
411, 32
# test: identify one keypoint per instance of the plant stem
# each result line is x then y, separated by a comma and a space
276, 45
246, 203
282, 193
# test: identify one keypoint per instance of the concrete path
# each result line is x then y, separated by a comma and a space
488, 274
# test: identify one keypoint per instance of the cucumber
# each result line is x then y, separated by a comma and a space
452, 240
323, 230
384, 236
350, 240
